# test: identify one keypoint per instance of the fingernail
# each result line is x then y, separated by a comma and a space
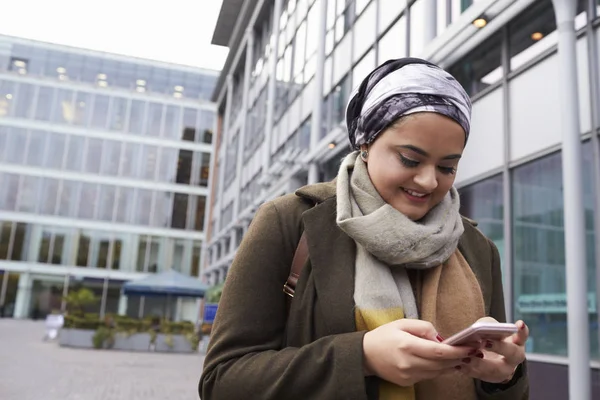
457, 367
522, 325
488, 344
472, 352
439, 338
480, 355
466, 360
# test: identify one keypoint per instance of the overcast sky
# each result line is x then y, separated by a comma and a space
177, 31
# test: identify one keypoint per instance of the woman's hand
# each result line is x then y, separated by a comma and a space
500, 358
407, 351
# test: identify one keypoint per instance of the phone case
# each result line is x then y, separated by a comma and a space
482, 331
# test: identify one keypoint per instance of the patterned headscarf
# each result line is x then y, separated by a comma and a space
402, 87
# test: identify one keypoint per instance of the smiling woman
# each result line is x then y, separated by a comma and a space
391, 268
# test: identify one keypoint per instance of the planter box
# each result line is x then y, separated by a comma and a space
80, 338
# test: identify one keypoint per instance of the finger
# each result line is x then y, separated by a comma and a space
436, 351
487, 319
522, 334
420, 329
493, 370
514, 353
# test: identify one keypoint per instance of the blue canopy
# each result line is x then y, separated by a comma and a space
167, 283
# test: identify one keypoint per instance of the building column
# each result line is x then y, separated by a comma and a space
430, 23
271, 87
122, 304
317, 111
222, 153
233, 240
23, 296
574, 207
241, 139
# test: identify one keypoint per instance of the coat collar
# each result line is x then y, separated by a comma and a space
332, 255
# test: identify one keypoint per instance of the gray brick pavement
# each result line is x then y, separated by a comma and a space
31, 369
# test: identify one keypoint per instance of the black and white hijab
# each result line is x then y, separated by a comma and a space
402, 87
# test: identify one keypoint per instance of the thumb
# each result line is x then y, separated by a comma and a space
418, 328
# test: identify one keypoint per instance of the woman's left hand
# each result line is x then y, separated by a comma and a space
500, 357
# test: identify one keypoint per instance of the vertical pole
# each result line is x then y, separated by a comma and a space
317, 112
576, 274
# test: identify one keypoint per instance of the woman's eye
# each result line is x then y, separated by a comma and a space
408, 162
447, 170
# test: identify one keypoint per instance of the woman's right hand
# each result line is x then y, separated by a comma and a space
408, 351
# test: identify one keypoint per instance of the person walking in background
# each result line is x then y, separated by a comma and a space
392, 268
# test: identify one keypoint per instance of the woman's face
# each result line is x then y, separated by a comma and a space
412, 164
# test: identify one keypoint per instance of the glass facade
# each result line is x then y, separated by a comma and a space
105, 163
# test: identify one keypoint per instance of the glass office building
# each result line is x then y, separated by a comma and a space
104, 166
282, 95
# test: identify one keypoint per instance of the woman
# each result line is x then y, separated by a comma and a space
392, 268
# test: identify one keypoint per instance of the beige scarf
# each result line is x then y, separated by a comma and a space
387, 244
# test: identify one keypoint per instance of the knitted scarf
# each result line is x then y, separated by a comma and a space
387, 244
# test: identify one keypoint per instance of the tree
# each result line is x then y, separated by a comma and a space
77, 300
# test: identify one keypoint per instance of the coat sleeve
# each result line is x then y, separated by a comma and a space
518, 388
245, 359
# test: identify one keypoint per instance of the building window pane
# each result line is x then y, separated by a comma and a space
483, 202
88, 199
539, 252
180, 207
19, 248
43, 108
75, 147
55, 152
64, 109
136, 117
93, 155
7, 96
388, 11
100, 114
118, 112
82, 108
393, 44
142, 207
200, 212
172, 122
155, 112
189, 124
24, 101
481, 68
184, 167
83, 249
16, 142
29, 193
36, 147
69, 191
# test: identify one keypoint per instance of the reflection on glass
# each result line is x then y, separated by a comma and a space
7, 97
16, 142
36, 147
23, 101
389, 10
68, 192
43, 108
75, 151
539, 252
480, 68
168, 165
364, 32
162, 209
64, 108
155, 112
118, 113
55, 152
393, 44
148, 157
19, 250
102, 246
136, 117
483, 202
82, 108
417, 36
100, 114
88, 199
142, 208
111, 156
28, 195
93, 155
190, 117
107, 201
49, 192
363, 68
195, 266
172, 122
125, 197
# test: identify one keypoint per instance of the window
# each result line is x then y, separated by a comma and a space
393, 44
100, 113
481, 68
43, 108
539, 252
417, 36
484, 203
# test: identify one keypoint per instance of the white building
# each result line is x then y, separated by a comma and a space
282, 95
104, 165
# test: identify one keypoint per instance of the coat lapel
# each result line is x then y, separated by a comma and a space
332, 255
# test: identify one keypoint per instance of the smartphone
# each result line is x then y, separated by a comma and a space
482, 331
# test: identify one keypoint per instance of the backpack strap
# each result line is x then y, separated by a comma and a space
300, 258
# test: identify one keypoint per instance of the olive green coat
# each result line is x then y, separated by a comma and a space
258, 351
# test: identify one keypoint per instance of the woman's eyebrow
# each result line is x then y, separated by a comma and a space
425, 154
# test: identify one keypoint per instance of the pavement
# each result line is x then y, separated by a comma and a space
31, 369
